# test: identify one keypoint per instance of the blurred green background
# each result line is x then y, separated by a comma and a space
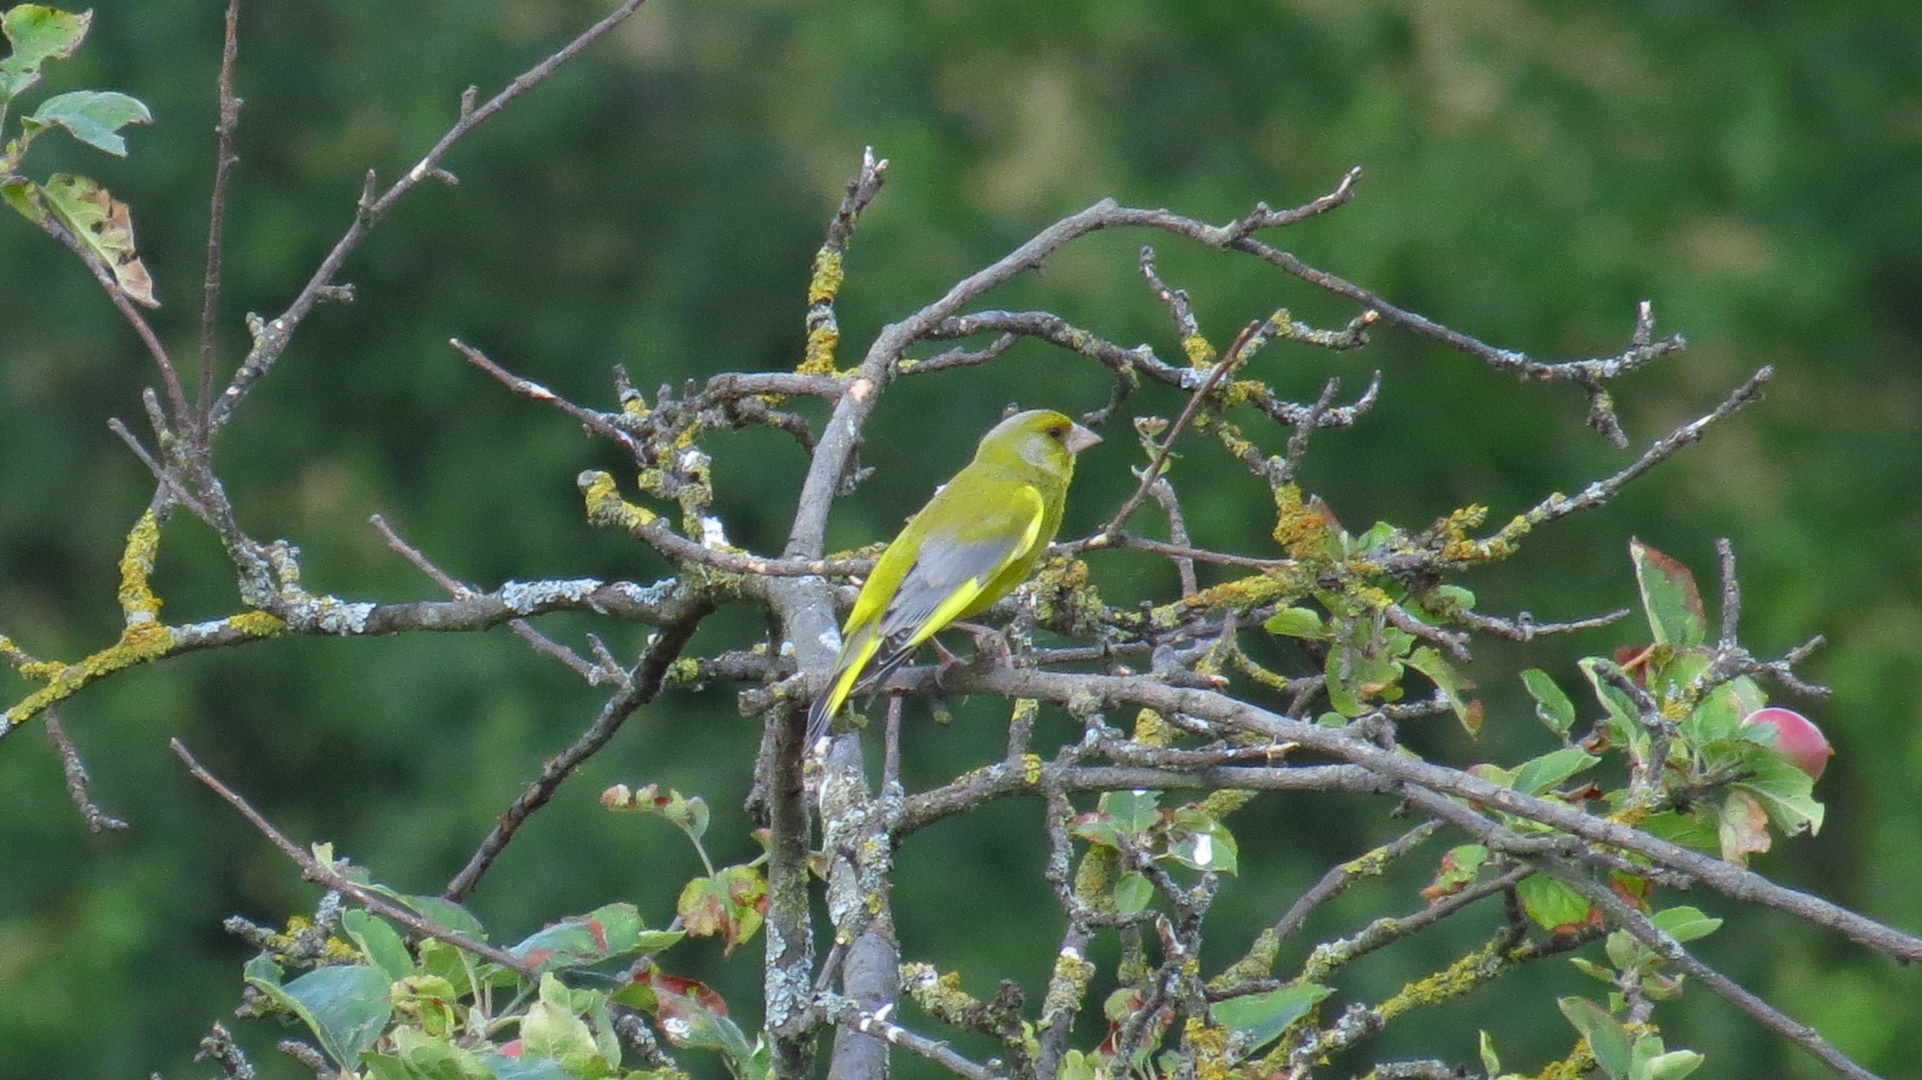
1533, 169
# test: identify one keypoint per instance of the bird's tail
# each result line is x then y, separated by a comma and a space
819, 715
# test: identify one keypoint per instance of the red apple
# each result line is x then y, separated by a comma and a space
1796, 738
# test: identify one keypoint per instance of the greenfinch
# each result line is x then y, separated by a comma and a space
975, 540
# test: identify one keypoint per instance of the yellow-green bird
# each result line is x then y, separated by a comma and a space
977, 539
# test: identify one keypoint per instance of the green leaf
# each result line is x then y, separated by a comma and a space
103, 226
379, 942
1491, 1064
1717, 717
1607, 1038
1593, 970
729, 905
1075, 1066
345, 1005
503, 1067
22, 194
1743, 828
1204, 844
1132, 811
1341, 693
1697, 828
1670, 1066
1458, 869
95, 117
1785, 792
553, 1028
1295, 622
583, 939
1377, 535
1537, 775
1623, 950
1552, 707
1263, 1017
37, 34
1621, 711
419, 1056
1685, 923
1669, 598
445, 914
1452, 684
1551, 903
691, 1014
262, 970
1133, 892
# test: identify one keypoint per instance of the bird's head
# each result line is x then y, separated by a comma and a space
1039, 438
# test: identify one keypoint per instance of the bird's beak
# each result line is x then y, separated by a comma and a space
1079, 439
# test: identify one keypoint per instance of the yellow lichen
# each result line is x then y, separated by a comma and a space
939, 994
605, 505
1300, 530
1452, 981
1151, 728
1208, 1046
1092, 876
1273, 680
683, 672
824, 336
137, 599
1201, 355
258, 624
1221, 803
826, 279
1255, 964
1067, 985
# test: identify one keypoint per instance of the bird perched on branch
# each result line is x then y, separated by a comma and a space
975, 540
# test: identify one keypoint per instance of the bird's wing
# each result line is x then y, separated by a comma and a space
953, 567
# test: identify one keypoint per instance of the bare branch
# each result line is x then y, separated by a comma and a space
1443, 784
224, 162
1646, 932
271, 336
689, 608
314, 870
97, 819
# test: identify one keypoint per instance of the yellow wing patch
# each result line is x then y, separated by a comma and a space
970, 590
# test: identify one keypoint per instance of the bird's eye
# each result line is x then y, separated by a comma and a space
1058, 433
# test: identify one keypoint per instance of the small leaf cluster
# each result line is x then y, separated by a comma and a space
97, 224
1364, 657
431, 1010
386, 1007
1132, 828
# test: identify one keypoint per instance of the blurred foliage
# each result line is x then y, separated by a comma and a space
1532, 170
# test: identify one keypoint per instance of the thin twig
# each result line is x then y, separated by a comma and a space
1645, 931
541, 643
642, 685
97, 819
1341, 876
312, 869
1160, 459
271, 336
597, 422
1601, 491
878, 1025
1164, 494
224, 161
1731, 593
124, 304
